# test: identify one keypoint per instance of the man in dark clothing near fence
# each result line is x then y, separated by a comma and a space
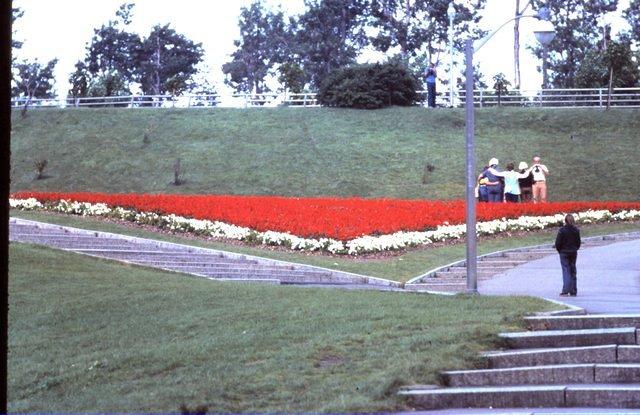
567, 245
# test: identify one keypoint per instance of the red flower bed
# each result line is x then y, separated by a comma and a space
337, 218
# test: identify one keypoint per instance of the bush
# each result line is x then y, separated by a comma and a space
370, 86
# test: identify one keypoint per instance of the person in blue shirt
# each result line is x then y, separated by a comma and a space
431, 75
494, 184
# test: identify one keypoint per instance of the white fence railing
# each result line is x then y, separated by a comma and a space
598, 97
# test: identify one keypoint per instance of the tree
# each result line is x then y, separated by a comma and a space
329, 35
576, 25
501, 86
632, 14
166, 61
112, 48
16, 13
33, 80
79, 80
412, 25
265, 40
292, 77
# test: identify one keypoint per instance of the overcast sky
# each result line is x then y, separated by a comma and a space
61, 29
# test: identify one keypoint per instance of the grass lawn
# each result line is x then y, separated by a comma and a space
93, 335
323, 151
400, 267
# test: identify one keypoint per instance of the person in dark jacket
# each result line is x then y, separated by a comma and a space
567, 245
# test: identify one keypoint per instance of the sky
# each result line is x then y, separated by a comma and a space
62, 28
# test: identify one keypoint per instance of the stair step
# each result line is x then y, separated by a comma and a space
530, 375
555, 356
545, 375
569, 338
539, 396
591, 321
628, 354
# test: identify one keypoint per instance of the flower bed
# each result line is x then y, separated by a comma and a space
344, 226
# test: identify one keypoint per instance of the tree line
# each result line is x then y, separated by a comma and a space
301, 51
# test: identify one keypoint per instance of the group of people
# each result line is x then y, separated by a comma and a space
527, 184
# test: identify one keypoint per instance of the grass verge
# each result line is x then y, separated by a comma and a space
401, 267
93, 335
322, 151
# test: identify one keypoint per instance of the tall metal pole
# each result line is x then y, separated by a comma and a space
545, 53
451, 60
472, 247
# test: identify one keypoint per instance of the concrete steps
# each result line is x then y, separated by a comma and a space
539, 396
564, 361
215, 265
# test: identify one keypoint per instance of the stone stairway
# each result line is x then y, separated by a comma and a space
207, 263
452, 277
586, 361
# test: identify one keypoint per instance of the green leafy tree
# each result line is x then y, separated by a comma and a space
16, 13
370, 86
413, 25
615, 66
501, 86
632, 14
33, 80
113, 48
166, 61
80, 80
577, 32
329, 36
265, 40
292, 77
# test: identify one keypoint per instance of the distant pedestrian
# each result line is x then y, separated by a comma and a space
526, 184
567, 245
481, 188
431, 75
540, 173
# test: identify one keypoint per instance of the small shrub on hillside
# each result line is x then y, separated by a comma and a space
370, 86
40, 166
178, 173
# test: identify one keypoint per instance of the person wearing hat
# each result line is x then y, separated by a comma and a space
494, 185
526, 184
540, 173
511, 182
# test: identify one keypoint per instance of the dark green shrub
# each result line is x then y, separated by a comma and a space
370, 86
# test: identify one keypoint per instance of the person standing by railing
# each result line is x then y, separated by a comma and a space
431, 75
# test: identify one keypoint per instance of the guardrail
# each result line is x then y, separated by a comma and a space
597, 97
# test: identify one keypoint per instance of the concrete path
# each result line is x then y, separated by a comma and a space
608, 279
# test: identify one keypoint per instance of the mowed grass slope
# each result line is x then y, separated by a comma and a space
592, 154
98, 336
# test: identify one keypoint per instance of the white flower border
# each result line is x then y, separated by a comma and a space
361, 245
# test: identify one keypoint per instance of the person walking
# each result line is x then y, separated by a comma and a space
511, 184
494, 185
540, 173
526, 184
431, 75
567, 245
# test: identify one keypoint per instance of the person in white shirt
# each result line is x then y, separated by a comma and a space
540, 173
511, 185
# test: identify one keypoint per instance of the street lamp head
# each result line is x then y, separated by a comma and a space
451, 11
545, 32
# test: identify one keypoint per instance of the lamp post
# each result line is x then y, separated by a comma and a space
451, 13
545, 33
472, 243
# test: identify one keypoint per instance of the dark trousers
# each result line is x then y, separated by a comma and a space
569, 273
495, 193
510, 197
431, 94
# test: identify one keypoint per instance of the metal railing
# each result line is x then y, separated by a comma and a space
571, 98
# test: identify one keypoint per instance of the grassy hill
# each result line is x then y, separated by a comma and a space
592, 154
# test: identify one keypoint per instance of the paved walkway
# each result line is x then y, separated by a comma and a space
608, 279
